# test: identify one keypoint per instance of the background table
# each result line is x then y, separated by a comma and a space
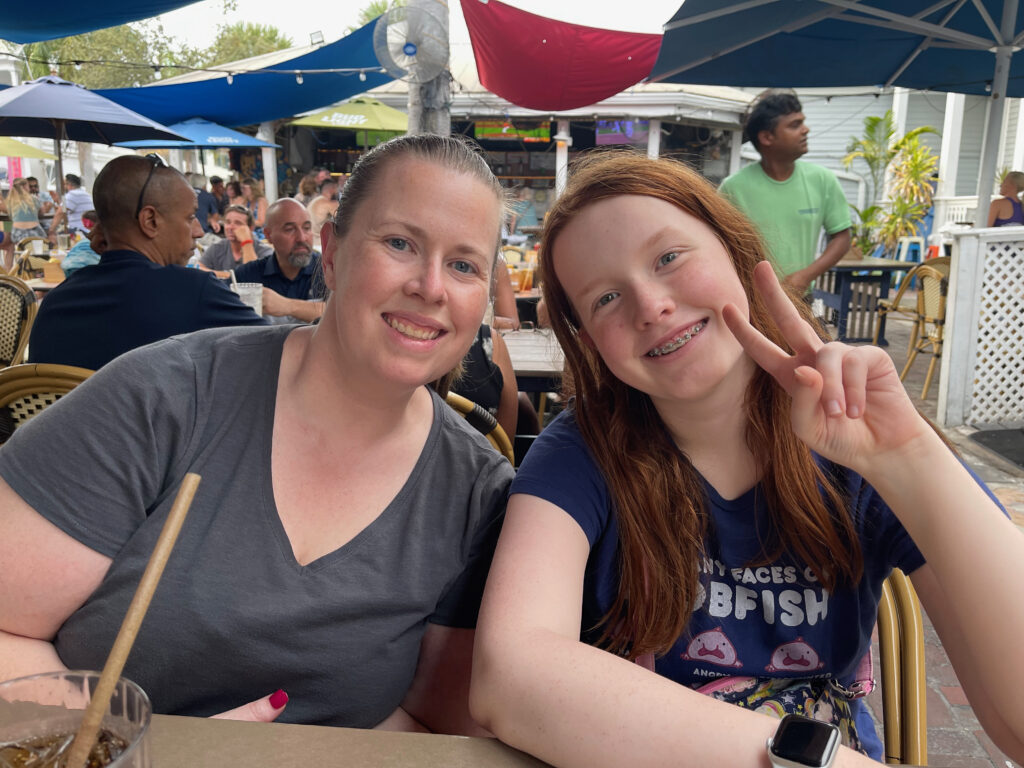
537, 359
195, 742
852, 289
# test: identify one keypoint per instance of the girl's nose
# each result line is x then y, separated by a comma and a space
652, 303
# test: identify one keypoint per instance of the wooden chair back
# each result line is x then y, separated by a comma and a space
26, 390
17, 312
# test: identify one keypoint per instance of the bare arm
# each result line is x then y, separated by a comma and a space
837, 247
45, 575
508, 405
505, 313
261, 212
276, 305
540, 689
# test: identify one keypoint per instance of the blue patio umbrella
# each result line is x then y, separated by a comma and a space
200, 134
941, 45
52, 108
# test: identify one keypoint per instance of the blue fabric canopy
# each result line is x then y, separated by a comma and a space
810, 43
23, 22
201, 133
255, 97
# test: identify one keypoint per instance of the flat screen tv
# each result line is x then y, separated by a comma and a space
622, 132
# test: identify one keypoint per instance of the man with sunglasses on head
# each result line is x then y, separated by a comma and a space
140, 291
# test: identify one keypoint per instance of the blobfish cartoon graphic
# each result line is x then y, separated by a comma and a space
712, 647
796, 656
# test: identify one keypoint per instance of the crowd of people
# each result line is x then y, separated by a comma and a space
697, 541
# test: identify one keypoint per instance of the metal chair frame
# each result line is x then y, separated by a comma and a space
484, 423
902, 672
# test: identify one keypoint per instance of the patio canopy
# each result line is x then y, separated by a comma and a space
23, 22
541, 63
268, 94
13, 148
202, 134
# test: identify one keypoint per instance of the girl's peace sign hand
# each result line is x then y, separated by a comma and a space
848, 402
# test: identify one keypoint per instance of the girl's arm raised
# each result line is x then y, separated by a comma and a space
850, 406
539, 688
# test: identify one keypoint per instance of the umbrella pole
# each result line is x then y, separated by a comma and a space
59, 131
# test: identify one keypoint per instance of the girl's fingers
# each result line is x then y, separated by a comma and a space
794, 328
855, 378
830, 364
806, 411
761, 350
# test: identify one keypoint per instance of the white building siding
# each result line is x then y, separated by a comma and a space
927, 109
971, 136
1012, 115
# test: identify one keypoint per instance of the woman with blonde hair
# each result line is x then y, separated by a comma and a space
256, 203
24, 211
721, 502
1007, 211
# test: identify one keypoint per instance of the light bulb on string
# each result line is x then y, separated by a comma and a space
298, 78
231, 78
362, 77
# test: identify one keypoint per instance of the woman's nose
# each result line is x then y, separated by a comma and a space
428, 282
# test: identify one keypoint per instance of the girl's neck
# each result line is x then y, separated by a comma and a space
712, 432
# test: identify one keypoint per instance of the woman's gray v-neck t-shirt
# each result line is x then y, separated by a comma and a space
235, 616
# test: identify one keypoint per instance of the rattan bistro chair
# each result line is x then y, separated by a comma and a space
17, 311
902, 671
484, 423
25, 390
900, 305
931, 318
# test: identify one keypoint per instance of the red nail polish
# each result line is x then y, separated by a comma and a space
278, 699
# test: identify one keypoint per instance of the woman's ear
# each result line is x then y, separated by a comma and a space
328, 249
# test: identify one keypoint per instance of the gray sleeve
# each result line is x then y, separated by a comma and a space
461, 602
98, 460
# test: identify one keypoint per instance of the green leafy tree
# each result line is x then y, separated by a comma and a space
243, 40
878, 146
116, 57
374, 9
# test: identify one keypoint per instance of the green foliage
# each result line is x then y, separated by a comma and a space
868, 221
913, 172
878, 146
243, 40
372, 10
901, 220
116, 57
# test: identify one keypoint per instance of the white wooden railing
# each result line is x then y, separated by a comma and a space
954, 210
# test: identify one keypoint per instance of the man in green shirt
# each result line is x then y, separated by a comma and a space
789, 200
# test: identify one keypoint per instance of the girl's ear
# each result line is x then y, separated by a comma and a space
328, 248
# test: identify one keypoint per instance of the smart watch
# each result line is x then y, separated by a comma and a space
801, 742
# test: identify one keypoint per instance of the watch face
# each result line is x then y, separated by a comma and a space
805, 742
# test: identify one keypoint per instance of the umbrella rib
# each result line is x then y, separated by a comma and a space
929, 11
798, 24
923, 44
907, 23
988, 21
700, 18
101, 134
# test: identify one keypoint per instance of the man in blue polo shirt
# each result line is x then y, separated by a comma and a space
293, 286
140, 291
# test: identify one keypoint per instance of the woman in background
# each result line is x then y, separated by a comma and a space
1007, 211
24, 210
252, 192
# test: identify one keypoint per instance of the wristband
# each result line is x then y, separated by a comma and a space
245, 243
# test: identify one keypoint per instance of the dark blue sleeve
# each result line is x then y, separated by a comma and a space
220, 306
560, 469
250, 272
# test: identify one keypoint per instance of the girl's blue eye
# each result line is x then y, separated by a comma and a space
606, 298
668, 258
464, 266
398, 243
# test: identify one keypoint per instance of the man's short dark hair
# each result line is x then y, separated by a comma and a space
73, 179
216, 180
32, 178
764, 113
326, 182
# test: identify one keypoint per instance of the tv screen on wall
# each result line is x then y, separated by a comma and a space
622, 132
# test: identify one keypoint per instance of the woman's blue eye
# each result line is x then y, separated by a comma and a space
606, 298
464, 266
667, 258
398, 243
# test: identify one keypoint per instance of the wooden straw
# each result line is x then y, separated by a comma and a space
78, 754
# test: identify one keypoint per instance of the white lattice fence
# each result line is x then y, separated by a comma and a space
998, 396
982, 380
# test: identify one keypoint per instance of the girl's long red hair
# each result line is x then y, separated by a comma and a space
659, 498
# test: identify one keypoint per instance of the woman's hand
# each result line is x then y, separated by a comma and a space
263, 710
848, 402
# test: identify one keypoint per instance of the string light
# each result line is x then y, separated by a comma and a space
298, 78
362, 76
231, 78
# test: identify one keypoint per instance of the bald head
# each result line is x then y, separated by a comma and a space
290, 232
117, 188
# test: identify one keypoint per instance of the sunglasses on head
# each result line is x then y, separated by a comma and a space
155, 161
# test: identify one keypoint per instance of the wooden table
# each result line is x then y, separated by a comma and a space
852, 289
537, 359
194, 742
